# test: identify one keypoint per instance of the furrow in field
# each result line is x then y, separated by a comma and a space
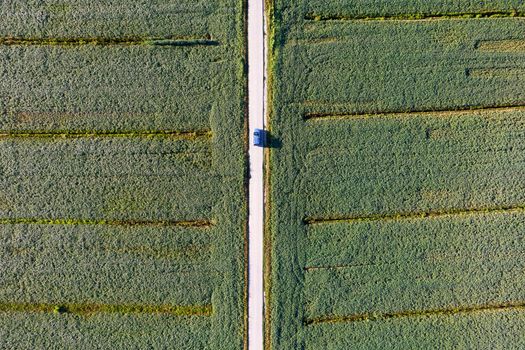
509, 306
90, 309
204, 223
185, 135
414, 215
100, 41
319, 17
435, 113
499, 72
507, 45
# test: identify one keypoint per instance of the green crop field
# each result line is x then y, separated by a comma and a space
122, 162
397, 175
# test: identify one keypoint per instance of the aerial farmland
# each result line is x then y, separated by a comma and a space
394, 174
397, 188
122, 204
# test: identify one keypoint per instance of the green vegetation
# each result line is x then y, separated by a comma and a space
397, 196
122, 163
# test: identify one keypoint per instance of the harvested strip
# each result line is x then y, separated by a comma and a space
131, 41
417, 313
89, 309
416, 16
129, 134
415, 215
161, 223
441, 112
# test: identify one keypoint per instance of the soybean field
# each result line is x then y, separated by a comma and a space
122, 162
396, 175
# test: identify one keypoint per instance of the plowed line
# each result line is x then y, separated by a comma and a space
93, 41
310, 117
415, 16
520, 305
184, 135
499, 72
506, 45
90, 309
75, 222
414, 215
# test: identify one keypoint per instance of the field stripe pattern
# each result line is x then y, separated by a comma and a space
122, 155
396, 175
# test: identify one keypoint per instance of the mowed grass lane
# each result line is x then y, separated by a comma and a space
396, 200
122, 209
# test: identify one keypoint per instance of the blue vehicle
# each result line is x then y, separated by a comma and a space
259, 138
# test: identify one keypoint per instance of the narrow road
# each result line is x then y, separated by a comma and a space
257, 99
